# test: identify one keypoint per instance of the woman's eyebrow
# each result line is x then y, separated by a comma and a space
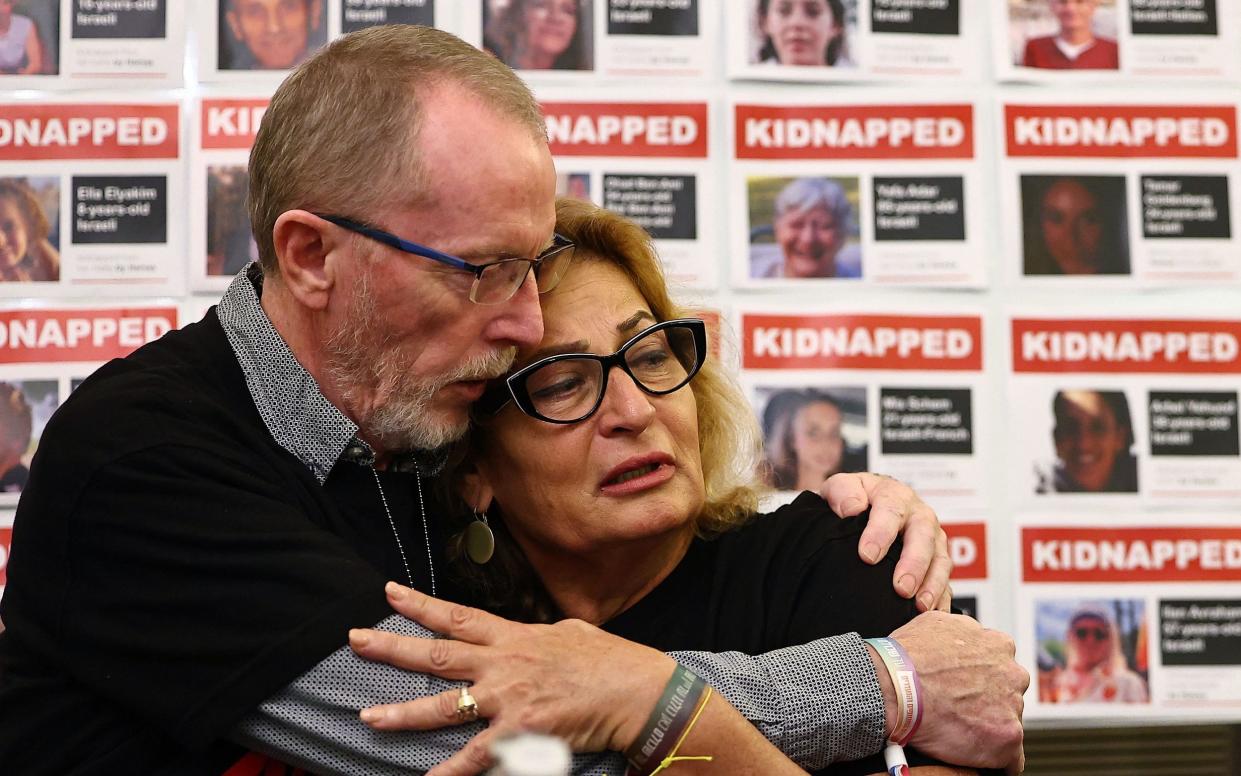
628, 325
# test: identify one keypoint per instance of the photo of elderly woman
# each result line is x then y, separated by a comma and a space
1092, 651
1064, 34
810, 434
598, 471
29, 37
540, 34
804, 228
1074, 225
29, 215
803, 33
1093, 437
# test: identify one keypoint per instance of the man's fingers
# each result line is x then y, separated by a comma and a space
846, 493
463, 623
933, 591
445, 658
430, 713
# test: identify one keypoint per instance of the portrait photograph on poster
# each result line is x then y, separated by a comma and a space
811, 433
1092, 432
1092, 651
803, 33
1074, 225
25, 406
30, 37
804, 227
1064, 34
540, 34
29, 229
269, 34
230, 244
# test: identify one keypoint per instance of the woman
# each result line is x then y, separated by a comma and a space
812, 222
1093, 436
26, 254
605, 486
16, 427
1076, 47
803, 32
1077, 226
802, 433
539, 35
20, 50
1095, 670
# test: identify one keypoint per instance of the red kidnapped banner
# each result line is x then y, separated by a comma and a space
1180, 554
231, 124
967, 546
655, 129
1126, 346
854, 132
904, 342
33, 336
30, 131
1171, 131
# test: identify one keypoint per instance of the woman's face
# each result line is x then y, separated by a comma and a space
800, 30
571, 488
13, 236
810, 240
1088, 439
549, 25
1073, 15
1092, 641
817, 441
1072, 228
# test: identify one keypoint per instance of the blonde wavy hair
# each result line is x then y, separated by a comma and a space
729, 441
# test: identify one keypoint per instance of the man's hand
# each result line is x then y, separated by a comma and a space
895, 510
570, 679
971, 691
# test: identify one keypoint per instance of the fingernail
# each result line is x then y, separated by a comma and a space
905, 585
371, 715
927, 601
852, 505
870, 552
359, 638
394, 591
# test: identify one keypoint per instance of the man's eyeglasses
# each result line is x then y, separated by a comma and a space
494, 282
569, 387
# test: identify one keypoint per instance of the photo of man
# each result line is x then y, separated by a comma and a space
1065, 34
269, 34
804, 228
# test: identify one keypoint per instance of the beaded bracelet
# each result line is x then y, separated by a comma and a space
668, 721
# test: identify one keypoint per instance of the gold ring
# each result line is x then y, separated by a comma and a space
467, 707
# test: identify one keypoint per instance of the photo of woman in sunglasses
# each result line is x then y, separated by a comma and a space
1092, 651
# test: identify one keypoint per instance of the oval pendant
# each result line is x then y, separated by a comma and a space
480, 542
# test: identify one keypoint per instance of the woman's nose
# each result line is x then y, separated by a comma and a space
626, 407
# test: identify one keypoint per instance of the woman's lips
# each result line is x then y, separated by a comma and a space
638, 474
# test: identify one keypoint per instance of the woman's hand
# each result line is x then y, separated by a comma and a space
570, 679
895, 510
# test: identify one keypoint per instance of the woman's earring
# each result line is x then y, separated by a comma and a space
480, 542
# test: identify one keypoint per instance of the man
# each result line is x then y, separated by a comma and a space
207, 518
270, 34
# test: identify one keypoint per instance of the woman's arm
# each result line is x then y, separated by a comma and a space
34, 52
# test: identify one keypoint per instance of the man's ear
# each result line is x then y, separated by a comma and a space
307, 250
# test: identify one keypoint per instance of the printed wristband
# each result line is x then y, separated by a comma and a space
908, 688
667, 721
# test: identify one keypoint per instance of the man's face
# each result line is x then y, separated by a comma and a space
1073, 15
414, 355
275, 31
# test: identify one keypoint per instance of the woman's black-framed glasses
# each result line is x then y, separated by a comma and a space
495, 281
569, 388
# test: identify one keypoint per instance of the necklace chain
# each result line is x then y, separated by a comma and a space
426, 532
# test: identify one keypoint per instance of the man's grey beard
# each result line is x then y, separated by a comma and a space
366, 372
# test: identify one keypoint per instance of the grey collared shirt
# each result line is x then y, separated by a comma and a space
819, 702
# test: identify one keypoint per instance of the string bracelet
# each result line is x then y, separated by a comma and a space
679, 706
673, 757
